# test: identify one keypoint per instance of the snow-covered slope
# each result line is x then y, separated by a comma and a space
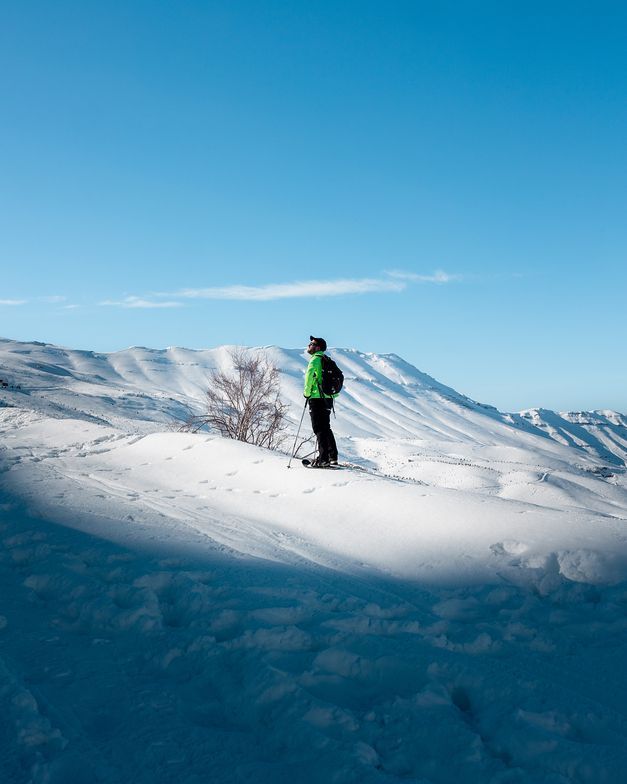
384, 396
182, 608
602, 433
391, 417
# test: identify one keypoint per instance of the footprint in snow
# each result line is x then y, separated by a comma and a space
231, 474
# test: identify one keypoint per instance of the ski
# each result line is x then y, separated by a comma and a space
308, 464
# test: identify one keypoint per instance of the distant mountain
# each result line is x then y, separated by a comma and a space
603, 433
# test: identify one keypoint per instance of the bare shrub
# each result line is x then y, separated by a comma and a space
243, 403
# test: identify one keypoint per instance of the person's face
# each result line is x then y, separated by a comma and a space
313, 347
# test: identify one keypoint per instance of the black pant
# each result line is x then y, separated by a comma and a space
320, 414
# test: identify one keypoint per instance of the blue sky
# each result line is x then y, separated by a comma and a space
442, 180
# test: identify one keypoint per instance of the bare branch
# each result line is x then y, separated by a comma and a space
244, 404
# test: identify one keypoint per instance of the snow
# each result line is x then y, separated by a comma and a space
182, 608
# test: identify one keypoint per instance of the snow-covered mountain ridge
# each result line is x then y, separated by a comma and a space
384, 396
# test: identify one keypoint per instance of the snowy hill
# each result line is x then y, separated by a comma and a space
182, 608
384, 396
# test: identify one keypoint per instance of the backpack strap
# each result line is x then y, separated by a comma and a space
322, 395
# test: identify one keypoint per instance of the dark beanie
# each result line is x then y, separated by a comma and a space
320, 341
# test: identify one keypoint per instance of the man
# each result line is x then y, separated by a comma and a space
319, 405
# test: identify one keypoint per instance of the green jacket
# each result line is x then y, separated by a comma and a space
313, 376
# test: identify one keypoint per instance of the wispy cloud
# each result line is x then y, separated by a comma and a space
303, 288
136, 302
13, 301
437, 277
394, 281
53, 299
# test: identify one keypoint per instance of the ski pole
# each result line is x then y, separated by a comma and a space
289, 465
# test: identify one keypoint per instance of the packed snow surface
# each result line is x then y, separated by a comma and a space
449, 607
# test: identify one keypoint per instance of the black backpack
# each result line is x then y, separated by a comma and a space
332, 377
